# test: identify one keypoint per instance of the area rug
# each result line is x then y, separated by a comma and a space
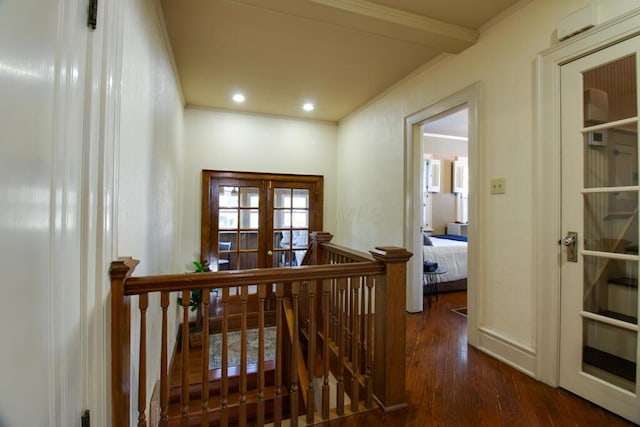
234, 340
462, 311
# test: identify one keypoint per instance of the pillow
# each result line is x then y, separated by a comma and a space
426, 240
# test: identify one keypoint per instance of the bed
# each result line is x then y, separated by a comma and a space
450, 252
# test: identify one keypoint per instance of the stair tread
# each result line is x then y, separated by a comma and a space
232, 372
233, 400
630, 282
609, 362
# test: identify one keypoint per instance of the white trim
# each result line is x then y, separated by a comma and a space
547, 230
64, 313
412, 213
100, 193
516, 355
403, 18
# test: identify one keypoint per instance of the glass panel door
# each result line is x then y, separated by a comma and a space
291, 222
252, 220
235, 223
599, 275
238, 227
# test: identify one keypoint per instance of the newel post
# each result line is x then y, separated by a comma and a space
317, 253
389, 348
120, 340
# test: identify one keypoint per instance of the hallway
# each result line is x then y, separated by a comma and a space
451, 384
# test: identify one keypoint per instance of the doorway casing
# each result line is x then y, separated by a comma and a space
413, 194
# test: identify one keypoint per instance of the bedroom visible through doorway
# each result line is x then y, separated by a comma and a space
443, 173
445, 201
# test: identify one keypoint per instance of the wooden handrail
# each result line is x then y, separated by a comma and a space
351, 255
349, 308
231, 278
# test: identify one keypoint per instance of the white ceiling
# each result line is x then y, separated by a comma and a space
338, 54
454, 123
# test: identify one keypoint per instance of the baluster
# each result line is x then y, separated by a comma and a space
185, 353
334, 310
355, 384
369, 346
304, 307
204, 390
363, 324
143, 304
326, 301
348, 324
242, 405
277, 402
295, 343
262, 292
342, 285
164, 362
224, 381
311, 350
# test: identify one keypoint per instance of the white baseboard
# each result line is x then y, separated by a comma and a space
514, 354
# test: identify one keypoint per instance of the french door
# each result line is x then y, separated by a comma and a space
252, 220
599, 346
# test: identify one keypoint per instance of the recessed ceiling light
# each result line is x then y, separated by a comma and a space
238, 97
307, 106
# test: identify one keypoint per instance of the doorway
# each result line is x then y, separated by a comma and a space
414, 197
573, 319
255, 220
599, 268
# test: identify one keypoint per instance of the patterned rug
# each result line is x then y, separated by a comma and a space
233, 347
461, 311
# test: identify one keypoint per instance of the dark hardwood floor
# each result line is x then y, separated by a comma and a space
452, 384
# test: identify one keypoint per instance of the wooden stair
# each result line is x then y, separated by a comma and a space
233, 407
214, 401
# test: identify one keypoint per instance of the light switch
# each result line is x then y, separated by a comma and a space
498, 186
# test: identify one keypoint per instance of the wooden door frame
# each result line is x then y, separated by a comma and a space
547, 194
208, 201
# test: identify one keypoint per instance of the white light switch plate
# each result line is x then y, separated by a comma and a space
498, 186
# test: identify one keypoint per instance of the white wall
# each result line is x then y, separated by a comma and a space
150, 163
371, 158
42, 46
222, 140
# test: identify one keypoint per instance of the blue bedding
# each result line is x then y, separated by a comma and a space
451, 237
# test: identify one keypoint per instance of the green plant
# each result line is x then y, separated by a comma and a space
196, 294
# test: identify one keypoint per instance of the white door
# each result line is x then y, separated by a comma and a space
599, 296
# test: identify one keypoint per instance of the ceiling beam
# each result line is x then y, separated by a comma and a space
368, 17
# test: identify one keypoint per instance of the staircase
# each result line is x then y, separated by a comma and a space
339, 341
604, 350
228, 402
232, 409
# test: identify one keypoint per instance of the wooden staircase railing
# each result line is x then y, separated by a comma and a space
344, 315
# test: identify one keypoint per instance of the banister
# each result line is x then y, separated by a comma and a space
389, 363
120, 339
352, 254
230, 278
379, 330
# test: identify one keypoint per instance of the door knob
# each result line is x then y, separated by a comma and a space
269, 252
571, 242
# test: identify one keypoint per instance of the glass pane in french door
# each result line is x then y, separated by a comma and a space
291, 222
610, 221
238, 227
